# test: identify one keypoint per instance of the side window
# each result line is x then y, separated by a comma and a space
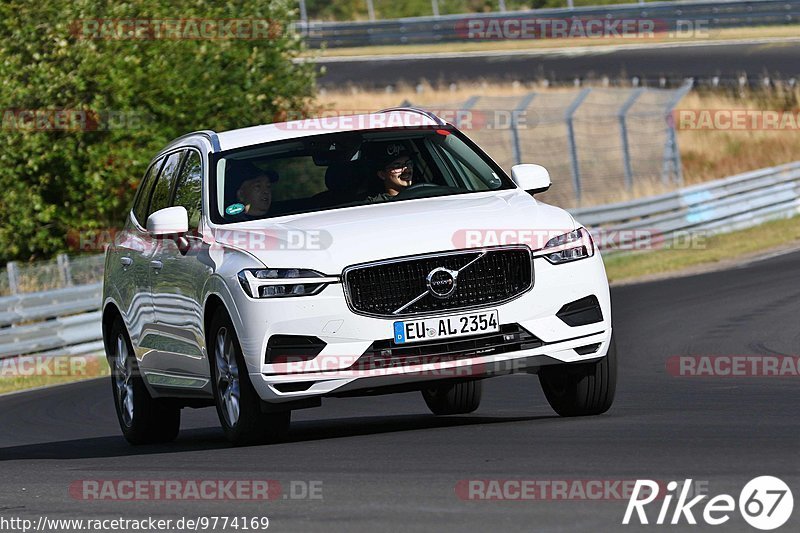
163, 186
188, 191
143, 196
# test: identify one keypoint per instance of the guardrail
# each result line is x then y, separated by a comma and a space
67, 321
719, 206
671, 16
63, 322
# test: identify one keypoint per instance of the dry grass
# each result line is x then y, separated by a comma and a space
708, 155
360, 100
762, 32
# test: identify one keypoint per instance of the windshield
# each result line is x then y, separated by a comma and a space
348, 169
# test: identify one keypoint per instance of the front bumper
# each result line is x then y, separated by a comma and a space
347, 336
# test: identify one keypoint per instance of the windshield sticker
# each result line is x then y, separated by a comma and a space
234, 209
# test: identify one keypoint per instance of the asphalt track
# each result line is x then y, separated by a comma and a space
649, 63
386, 464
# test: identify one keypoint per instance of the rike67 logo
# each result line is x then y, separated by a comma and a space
765, 503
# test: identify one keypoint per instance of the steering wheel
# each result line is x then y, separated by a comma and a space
422, 188
425, 188
419, 185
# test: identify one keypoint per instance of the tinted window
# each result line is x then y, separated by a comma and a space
163, 188
188, 191
143, 196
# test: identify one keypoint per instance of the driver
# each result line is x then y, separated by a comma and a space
395, 169
254, 191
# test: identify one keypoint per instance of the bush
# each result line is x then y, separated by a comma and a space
122, 100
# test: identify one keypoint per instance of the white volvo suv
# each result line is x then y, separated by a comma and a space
263, 269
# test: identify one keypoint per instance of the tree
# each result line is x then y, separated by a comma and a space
84, 110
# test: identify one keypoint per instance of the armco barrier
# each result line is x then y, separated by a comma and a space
671, 16
67, 321
64, 321
723, 205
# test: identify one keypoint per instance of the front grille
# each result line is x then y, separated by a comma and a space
386, 354
485, 277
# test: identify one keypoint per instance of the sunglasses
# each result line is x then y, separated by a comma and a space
399, 166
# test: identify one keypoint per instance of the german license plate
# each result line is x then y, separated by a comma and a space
446, 327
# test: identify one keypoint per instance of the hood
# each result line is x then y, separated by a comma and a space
329, 241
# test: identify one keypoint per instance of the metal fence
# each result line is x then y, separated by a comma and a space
669, 16
61, 272
600, 144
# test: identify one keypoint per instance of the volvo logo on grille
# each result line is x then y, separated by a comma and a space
442, 282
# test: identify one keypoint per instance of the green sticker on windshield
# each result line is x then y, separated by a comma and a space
234, 209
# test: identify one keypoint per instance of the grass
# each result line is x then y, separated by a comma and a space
707, 251
759, 32
708, 155
89, 367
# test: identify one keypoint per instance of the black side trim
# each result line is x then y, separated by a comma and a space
292, 348
581, 312
295, 386
586, 350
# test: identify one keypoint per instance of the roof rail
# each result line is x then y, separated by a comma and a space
418, 110
208, 134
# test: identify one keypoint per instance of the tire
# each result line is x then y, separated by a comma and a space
143, 419
582, 389
237, 402
454, 398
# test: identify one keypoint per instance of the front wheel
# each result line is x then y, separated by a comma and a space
581, 389
238, 404
143, 419
455, 398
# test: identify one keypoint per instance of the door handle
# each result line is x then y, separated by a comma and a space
126, 261
156, 265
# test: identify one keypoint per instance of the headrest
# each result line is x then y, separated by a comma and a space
341, 177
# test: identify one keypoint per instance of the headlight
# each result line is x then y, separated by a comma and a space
568, 247
283, 282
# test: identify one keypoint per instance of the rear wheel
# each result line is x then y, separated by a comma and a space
143, 419
581, 389
454, 398
238, 404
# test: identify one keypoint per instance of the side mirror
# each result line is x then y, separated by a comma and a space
168, 221
531, 178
